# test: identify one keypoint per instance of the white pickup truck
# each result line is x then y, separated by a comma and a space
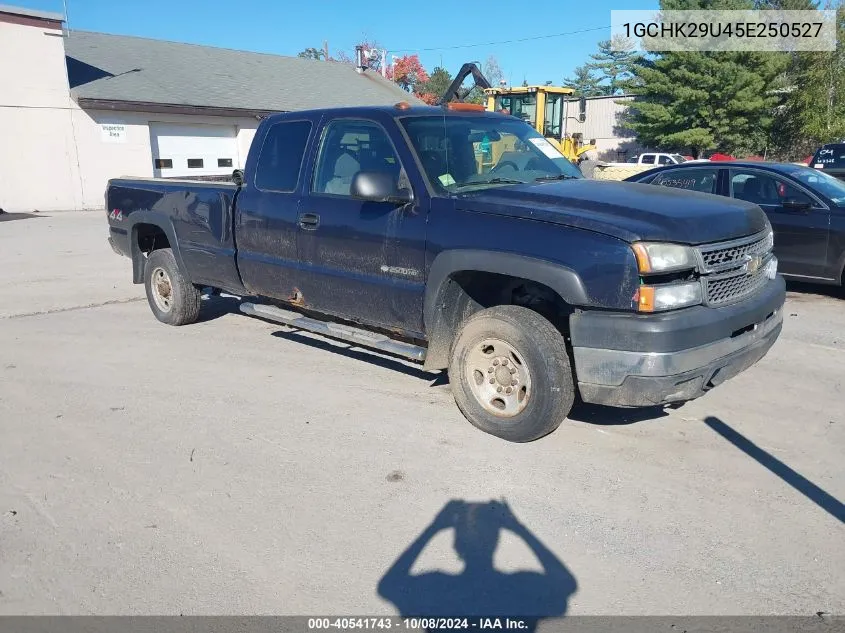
651, 158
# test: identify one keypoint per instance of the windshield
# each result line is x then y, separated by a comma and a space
461, 153
678, 158
825, 184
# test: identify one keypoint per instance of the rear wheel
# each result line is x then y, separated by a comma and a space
172, 298
511, 374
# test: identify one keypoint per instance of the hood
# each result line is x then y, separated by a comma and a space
628, 211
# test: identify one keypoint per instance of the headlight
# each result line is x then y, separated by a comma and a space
659, 257
668, 297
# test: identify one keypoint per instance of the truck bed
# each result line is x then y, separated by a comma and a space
197, 216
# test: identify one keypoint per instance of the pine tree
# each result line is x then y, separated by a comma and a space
814, 107
437, 83
584, 82
615, 63
312, 53
704, 100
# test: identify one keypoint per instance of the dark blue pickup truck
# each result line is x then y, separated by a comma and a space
464, 240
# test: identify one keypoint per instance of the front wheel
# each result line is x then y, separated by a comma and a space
511, 374
173, 299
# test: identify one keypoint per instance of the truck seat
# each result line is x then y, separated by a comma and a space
345, 168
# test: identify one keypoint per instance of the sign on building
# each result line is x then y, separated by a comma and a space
113, 132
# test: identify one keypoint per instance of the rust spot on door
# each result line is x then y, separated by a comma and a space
297, 298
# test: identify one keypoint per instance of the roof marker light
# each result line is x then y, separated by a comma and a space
465, 107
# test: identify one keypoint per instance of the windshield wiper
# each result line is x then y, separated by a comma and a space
558, 177
492, 181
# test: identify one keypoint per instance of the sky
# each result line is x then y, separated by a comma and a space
433, 28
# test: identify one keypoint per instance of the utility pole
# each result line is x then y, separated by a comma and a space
67, 18
325, 50
384, 63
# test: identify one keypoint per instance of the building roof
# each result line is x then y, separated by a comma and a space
144, 72
32, 13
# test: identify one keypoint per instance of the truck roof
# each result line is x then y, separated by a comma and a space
401, 109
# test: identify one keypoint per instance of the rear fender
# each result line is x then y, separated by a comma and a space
161, 221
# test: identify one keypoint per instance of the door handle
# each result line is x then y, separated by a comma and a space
309, 221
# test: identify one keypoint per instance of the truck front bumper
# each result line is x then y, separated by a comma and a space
633, 360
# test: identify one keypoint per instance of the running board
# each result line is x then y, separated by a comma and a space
335, 330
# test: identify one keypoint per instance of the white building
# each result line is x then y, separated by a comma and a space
78, 108
604, 122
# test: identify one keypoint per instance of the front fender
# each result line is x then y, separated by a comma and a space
446, 305
564, 281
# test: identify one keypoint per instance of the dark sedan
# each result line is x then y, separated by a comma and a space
805, 206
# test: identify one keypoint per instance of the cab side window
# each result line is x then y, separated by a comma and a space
703, 180
665, 160
282, 153
348, 147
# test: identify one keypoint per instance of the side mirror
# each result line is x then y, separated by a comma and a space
378, 186
238, 177
796, 205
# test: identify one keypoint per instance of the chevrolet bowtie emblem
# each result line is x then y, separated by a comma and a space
752, 264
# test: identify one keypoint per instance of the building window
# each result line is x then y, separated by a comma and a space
163, 163
224, 162
195, 163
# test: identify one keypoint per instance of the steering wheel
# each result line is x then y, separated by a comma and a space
535, 164
502, 165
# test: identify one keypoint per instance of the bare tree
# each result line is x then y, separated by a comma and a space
492, 71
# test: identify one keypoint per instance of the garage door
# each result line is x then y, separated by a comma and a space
181, 151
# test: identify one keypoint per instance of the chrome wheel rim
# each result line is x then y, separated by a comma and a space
498, 377
162, 289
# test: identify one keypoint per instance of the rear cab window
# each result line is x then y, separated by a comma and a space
282, 155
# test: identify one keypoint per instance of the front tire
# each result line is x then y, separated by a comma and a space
511, 374
172, 298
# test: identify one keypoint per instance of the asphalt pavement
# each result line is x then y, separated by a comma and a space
235, 466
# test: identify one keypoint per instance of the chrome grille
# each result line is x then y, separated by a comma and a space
728, 255
734, 286
725, 272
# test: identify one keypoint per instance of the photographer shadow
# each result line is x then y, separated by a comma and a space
479, 589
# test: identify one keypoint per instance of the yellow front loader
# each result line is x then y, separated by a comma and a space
543, 108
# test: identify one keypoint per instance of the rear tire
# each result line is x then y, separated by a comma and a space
511, 374
172, 298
